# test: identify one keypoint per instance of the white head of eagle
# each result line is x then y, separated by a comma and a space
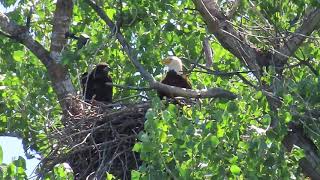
173, 63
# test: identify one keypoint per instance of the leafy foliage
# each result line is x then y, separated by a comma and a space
213, 139
13, 170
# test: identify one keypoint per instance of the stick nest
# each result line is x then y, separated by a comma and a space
98, 138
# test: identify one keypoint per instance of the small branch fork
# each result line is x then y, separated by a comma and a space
210, 93
251, 56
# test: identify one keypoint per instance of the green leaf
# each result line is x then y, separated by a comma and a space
298, 153
232, 107
110, 176
18, 55
137, 147
258, 95
11, 169
172, 108
220, 132
111, 13
1, 155
150, 114
288, 99
288, 117
135, 175
235, 170
20, 162
214, 140
147, 147
7, 3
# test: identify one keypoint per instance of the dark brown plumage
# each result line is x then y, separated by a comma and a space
173, 79
94, 87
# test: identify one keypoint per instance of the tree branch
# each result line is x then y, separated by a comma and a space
125, 46
253, 57
219, 25
234, 8
61, 22
57, 73
310, 163
311, 22
214, 92
209, 93
6, 35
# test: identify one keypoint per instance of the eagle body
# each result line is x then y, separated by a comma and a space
174, 76
94, 85
174, 79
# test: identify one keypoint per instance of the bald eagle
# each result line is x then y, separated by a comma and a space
93, 85
174, 76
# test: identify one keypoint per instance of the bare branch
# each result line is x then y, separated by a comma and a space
208, 52
247, 81
214, 92
298, 137
20, 34
209, 93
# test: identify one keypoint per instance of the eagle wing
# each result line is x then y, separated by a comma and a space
174, 79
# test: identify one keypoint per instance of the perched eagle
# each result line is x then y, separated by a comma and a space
94, 85
174, 76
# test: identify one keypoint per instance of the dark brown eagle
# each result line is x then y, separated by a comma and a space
94, 85
174, 76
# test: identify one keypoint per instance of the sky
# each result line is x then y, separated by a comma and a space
12, 147
2, 9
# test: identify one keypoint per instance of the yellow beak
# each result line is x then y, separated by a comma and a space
166, 61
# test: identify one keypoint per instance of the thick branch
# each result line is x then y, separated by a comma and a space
311, 162
61, 22
311, 22
58, 75
227, 36
209, 93
217, 92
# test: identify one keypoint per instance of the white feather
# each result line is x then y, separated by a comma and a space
175, 64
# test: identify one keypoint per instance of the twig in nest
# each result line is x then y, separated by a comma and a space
113, 133
82, 142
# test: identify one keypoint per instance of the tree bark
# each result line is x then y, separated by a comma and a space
58, 74
252, 57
